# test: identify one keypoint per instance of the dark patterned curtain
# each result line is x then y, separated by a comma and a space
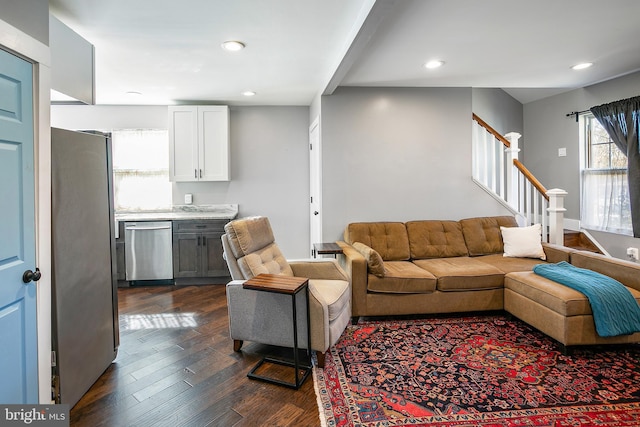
621, 120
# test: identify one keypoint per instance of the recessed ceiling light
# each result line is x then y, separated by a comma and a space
582, 66
434, 64
248, 93
233, 45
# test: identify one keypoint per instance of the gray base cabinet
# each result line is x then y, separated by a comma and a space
197, 249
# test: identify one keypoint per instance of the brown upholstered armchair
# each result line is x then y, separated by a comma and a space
250, 249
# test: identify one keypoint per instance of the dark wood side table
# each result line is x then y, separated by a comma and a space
290, 286
326, 249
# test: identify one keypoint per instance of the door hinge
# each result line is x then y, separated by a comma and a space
54, 361
310, 146
311, 199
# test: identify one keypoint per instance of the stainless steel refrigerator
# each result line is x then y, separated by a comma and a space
84, 294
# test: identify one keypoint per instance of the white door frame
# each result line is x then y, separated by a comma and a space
315, 183
20, 43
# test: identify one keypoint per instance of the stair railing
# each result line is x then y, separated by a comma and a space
497, 169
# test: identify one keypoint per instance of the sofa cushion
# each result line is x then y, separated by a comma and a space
402, 277
559, 298
482, 235
375, 264
389, 239
435, 239
462, 273
509, 265
523, 242
626, 272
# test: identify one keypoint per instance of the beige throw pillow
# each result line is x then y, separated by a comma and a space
523, 242
374, 260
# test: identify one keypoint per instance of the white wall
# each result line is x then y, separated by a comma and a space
72, 62
109, 117
269, 162
547, 128
398, 154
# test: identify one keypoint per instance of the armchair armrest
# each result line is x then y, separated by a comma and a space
326, 269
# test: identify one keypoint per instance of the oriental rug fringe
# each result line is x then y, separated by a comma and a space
476, 371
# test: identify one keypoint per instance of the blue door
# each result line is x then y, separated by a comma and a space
18, 340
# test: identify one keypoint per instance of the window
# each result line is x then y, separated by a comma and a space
605, 192
141, 169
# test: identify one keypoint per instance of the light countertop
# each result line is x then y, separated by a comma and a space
182, 212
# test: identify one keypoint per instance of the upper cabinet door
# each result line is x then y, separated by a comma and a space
213, 130
183, 146
199, 143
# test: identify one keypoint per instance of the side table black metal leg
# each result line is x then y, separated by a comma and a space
296, 357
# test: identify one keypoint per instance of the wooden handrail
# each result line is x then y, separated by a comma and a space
491, 130
532, 179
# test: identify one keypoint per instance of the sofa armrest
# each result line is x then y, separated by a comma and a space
356, 267
557, 253
625, 272
326, 269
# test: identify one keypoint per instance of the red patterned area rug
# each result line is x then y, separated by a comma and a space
473, 372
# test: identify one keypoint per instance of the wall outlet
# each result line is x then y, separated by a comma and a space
188, 199
562, 152
632, 253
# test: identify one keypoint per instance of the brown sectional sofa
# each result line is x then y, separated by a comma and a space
433, 266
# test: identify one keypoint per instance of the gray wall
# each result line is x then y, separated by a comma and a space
501, 111
269, 162
269, 173
398, 154
547, 128
29, 16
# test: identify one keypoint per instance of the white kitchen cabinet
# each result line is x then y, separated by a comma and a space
199, 143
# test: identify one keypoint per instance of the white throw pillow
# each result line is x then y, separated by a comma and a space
523, 242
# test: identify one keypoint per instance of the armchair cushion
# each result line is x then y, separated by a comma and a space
268, 260
252, 243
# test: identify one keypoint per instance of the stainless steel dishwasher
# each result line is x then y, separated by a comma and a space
148, 250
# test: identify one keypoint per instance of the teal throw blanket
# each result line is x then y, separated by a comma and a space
615, 310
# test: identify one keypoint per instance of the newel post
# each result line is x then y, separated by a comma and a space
512, 173
556, 215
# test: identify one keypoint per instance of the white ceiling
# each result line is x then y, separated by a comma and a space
170, 50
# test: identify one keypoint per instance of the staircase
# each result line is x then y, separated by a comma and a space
497, 169
579, 240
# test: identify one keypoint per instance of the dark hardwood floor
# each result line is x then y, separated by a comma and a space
176, 367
